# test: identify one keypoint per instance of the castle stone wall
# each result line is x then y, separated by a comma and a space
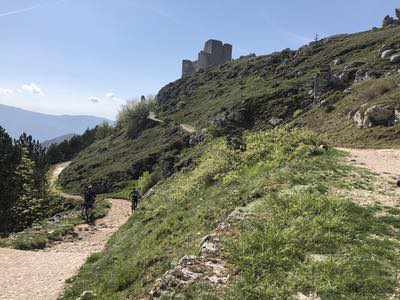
214, 53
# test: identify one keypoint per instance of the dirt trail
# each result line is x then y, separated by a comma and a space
185, 127
41, 275
386, 164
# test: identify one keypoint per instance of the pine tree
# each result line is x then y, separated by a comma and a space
26, 204
9, 157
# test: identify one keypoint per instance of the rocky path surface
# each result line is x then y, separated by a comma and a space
41, 275
386, 164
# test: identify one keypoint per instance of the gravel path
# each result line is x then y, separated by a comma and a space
386, 164
41, 275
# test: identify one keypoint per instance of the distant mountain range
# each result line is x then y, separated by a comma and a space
44, 127
57, 140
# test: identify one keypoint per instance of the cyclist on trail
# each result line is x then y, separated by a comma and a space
89, 201
135, 197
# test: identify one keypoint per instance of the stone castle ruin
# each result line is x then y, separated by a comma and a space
215, 53
390, 21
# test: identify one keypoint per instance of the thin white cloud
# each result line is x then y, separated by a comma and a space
297, 37
27, 9
32, 89
6, 92
94, 100
113, 97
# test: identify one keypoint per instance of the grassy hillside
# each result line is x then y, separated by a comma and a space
285, 232
257, 93
338, 126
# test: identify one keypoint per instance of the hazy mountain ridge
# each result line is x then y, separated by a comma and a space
44, 126
58, 140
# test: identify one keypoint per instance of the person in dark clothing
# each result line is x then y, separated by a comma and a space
398, 182
135, 197
89, 200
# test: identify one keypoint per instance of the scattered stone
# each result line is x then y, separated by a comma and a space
395, 58
301, 296
338, 61
358, 119
275, 121
318, 257
209, 246
196, 138
87, 295
387, 53
348, 91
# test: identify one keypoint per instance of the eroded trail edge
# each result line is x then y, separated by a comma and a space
42, 274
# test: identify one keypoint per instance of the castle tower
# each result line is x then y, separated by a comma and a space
214, 53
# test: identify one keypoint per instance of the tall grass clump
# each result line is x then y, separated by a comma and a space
133, 116
373, 89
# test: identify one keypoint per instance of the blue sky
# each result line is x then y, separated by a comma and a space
89, 56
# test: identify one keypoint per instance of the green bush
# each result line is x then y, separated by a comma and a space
133, 116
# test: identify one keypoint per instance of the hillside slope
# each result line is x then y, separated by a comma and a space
265, 223
261, 93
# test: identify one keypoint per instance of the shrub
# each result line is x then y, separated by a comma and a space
297, 113
133, 117
103, 130
147, 181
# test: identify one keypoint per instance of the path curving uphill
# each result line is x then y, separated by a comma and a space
41, 275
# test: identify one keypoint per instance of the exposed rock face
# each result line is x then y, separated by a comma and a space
275, 121
395, 58
206, 268
362, 75
376, 115
387, 53
349, 73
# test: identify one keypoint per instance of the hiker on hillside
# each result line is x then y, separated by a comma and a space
135, 197
89, 200
398, 182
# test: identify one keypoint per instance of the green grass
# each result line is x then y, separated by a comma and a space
47, 231
340, 129
283, 175
286, 173
265, 87
275, 256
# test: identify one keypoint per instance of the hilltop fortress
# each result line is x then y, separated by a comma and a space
215, 53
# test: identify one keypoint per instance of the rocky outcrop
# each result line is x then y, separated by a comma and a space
395, 58
275, 121
376, 115
208, 267
387, 53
